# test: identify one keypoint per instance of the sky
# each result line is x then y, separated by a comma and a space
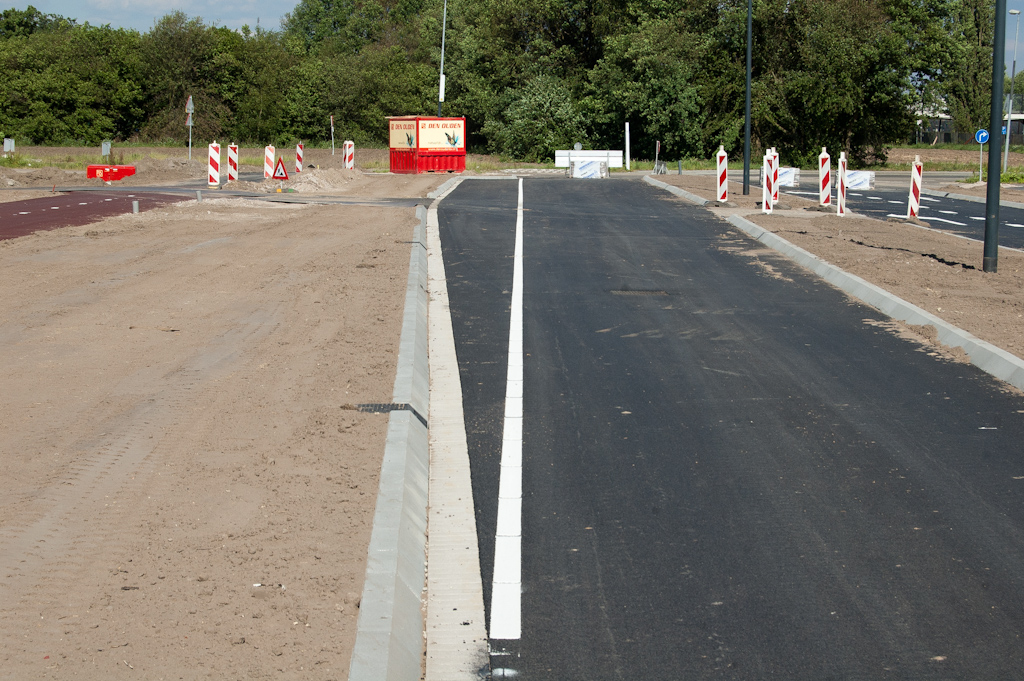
142, 14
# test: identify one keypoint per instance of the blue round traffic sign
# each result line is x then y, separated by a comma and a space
981, 136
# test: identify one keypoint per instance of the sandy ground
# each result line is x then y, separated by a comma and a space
174, 431
935, 271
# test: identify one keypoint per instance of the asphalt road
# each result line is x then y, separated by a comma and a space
729, 469
965, 218
80, 208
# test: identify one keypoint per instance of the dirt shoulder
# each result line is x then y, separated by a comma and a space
935, 271
174, 431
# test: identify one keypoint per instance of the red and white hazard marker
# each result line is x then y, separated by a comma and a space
723, 174
768, 184
298, 157
841, 186
916, 175
269, 153
232, 162
214, 179
774, 170
349, 152
824, 178
280, 172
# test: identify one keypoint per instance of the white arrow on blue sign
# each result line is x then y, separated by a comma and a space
981, 136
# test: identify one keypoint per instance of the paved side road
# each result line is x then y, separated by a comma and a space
80, 208
729, 468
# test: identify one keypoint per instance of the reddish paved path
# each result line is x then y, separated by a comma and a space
18, 218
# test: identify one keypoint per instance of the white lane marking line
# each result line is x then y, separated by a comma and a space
507, 584
83, 204
948, 212
928, 198
24, 212
855, 194
952, 222
1013, 224
108, 199
898, 203
974, 217
876, 198
805, 193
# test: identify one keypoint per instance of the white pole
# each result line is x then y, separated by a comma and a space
332, 135
627, 145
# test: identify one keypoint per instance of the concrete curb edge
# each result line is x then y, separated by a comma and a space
676, 190
389, 635
989, 358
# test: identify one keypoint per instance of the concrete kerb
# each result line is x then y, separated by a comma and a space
389, 635
693, 198
991, 359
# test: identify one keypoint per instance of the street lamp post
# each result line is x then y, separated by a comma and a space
746, 124
440, 85
1013, 73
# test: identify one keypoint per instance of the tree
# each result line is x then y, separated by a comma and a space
967, 82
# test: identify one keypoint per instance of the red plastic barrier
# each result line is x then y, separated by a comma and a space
109, 173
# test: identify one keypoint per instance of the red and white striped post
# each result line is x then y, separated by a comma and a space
775, 178
348, 151
723, 174
767, 186
824, 178
916, 175
269, 156
214, 174
232, 162
841, 186
298, 157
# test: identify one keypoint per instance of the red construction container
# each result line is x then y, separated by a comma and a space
427, 144
109, 173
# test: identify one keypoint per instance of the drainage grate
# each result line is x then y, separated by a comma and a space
640, 292
384, 408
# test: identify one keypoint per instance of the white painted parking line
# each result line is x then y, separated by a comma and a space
507, 584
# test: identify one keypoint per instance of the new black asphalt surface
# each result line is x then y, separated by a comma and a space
730, 469
957, 216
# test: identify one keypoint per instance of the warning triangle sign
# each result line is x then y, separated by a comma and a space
279, 172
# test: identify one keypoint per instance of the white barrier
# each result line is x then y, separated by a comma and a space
348, 151
612, 159
232, 162
589, 170
785, 177
914, 202
298, 157
841, 185
214, 166
860, 179
723, 174
824, 178
8, 145
269, 155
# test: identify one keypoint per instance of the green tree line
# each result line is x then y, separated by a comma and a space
531, 76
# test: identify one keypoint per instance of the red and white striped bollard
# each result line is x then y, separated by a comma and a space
775, 178
914, 202
269, 156
232, 162
349, 152
214, 174
298, 157
723, 174
824, 178
841, 186
767, 186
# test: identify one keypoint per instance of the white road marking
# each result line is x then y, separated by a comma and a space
973, 217
948, 212
24, 212
108, 199
855, 194
1013, 224
83, 204
898, 203
507, 584
928, 198
952, 222
806, 193
875, 198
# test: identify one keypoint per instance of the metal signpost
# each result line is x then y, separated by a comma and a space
189, 110
332, 135
981, 137
440, 85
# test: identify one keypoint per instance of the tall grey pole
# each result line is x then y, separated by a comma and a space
1013, 73
440, 85
746, 124
990, 261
